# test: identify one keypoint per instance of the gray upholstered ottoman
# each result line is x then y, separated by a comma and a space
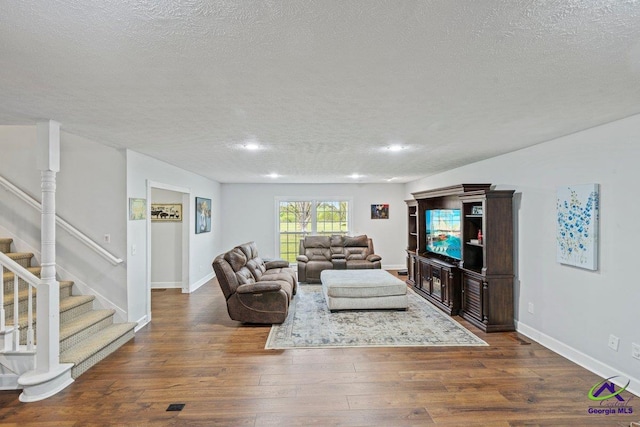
363, 290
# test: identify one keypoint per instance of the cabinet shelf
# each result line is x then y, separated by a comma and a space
479, 245
473, 216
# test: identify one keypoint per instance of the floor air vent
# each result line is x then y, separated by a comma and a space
176, 407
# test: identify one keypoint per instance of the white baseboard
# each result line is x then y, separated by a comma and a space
395, 267
196, 285
141, 323
601, 369
166, 285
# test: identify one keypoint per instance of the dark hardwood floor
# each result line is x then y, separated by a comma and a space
193, 354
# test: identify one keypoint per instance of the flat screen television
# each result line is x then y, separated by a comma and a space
443, 232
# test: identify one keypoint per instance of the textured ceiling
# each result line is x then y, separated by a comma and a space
323, 86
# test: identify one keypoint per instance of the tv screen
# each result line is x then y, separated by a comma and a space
443, 232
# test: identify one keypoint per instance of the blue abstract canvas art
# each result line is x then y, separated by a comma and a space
577, 226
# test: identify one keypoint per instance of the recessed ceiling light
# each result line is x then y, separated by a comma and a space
273, 175
252, 146
355, 176
392, 178
396, 147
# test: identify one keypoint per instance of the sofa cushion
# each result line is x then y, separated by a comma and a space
356, 241
244, 276
318, 254
236, 258
279, 274
317, 242
356, 253
257, 267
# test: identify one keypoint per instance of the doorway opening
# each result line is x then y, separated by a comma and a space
167, 239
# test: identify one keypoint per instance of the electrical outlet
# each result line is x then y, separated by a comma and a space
635, 351
531, 307
614, 341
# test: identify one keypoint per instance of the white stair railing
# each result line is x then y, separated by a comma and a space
61, 222
33, 282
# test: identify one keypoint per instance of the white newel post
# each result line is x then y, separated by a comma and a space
48, 297
49, 376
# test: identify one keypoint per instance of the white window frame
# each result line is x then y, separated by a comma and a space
315, 201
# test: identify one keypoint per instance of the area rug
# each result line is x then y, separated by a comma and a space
310, 324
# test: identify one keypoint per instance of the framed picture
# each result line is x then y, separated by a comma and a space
380, 211
137, 209
476, 210
577, 225
203, 215
161, 212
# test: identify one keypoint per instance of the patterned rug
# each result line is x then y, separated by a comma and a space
310, 324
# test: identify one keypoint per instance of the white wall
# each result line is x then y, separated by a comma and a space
166, 244
575, 310
89, 195
250, 214
202, 247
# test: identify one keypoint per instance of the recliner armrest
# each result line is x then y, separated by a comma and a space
258, 287
338, 256
374, 258
302, 258
276, 263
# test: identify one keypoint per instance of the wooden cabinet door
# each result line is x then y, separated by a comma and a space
438, 283
472, 296
425, 276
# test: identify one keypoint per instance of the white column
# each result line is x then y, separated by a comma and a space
48, 297
49, 375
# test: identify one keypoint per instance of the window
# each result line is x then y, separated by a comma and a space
299, 218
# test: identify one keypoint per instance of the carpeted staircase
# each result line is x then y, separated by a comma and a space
86, 335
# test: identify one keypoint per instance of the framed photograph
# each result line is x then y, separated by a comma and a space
137, 209
161, 212
476, 210
380, 211
203, 215
577, 225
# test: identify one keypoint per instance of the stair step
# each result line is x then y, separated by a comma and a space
70, 308
84, 326
66, 288
8, 276
92, 350
75, 305
22, 258
23, 295
5, 244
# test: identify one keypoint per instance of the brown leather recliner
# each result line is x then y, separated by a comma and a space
256, 291
319, 253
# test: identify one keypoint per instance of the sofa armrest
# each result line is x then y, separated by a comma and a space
258, 287
374, 258
276, 263
302, 258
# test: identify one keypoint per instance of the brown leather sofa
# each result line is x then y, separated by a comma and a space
256, 291
318, 253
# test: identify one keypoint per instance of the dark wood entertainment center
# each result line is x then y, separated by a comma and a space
477, 284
